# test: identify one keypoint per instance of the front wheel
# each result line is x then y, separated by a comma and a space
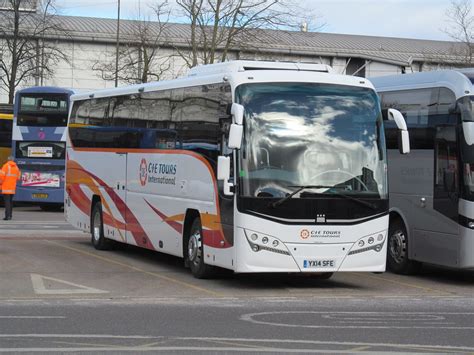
397, 250
97, 229
195, 252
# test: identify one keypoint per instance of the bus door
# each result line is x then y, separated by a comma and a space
115, 212
439, 237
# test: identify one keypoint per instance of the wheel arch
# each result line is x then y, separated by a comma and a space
396, 213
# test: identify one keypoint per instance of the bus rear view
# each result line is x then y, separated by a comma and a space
39, 145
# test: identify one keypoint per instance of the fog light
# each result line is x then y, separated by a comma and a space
264, 240
255, 248
471, 225
275, 243
361, 243
371, 240
254, 237
380, 237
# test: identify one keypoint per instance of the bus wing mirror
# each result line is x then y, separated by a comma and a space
403, 135
223, 168
395, 115
403, 142
236, 133
468, 129
237, 112
223, 174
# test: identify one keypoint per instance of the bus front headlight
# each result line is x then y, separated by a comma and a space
259, 242
371, 242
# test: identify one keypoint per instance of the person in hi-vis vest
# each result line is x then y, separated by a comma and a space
9, 175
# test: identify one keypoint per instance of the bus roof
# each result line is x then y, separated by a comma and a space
219, 72
46, 89
458, 81
246, 65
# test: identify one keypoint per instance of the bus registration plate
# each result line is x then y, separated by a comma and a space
42, 196
322, 263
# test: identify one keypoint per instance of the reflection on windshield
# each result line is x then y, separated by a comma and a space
311, 134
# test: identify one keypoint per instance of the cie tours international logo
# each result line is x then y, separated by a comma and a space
304, 234
143, 172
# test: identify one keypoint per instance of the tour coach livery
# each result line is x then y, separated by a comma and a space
249, 166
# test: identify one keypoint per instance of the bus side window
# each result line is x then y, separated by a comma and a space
80, 112
446, 190
423, 109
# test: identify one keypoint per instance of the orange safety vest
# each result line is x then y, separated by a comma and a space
9, 175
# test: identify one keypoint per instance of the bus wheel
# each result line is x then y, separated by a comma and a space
397, 250
97, 229
195, 252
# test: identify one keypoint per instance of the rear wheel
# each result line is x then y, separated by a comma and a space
195, 252
397, 250
97, 229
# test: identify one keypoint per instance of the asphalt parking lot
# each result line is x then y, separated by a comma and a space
49, 270
40, 255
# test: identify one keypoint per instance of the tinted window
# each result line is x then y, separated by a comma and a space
105, 137
199, 113
183, 118
446, 189
80, 112
423, 109
42, 110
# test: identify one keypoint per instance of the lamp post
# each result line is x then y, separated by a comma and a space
117, 44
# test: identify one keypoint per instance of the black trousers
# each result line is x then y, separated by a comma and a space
8, 205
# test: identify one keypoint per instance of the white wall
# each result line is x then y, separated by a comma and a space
78, 73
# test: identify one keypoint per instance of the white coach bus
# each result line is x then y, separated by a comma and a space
432, 189
249, 166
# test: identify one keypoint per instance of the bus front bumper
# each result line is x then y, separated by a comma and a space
259, 255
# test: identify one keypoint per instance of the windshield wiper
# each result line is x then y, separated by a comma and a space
355, 199
299, 189
303, 187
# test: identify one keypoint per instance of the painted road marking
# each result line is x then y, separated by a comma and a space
154, 274
32, 317
244, 346
40, 288
427, 289
421, 322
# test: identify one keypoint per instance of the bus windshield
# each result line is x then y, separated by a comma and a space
327, 137
47, 110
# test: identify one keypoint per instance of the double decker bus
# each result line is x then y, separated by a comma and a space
248, 166
6, 123
432, 189
39, 144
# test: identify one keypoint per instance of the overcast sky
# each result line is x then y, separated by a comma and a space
424, 19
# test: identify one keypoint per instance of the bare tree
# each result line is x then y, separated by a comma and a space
461, 27
219, 26
140, 57
28, 42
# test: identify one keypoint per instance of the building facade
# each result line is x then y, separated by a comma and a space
88, 42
